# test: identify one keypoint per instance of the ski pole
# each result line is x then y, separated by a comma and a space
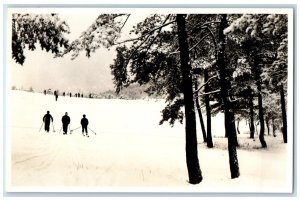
60, 129
41, 126
91, 130
74, 129
53, 127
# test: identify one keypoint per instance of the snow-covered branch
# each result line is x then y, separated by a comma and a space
233, 100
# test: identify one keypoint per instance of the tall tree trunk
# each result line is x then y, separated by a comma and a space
229, 115
268, 125
261, 121
260, 105
208, 112
284, 119
238, 126
251, 112
200, 115
194, 171
273, 127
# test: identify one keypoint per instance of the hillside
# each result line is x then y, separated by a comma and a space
129, 152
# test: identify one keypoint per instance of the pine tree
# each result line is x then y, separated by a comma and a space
195, 175
265, 38
229, 114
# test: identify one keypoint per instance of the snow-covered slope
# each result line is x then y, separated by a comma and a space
129, 152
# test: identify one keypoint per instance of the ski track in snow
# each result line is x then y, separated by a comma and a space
130, 149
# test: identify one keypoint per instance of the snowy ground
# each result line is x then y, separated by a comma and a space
130, 151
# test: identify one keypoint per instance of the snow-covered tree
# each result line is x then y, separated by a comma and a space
265, 42
104, 32
228, 107
276, 74
202, 30
28, 30
159, 55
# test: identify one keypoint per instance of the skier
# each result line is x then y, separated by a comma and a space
46, 119
65, 121
84, 123
56, 95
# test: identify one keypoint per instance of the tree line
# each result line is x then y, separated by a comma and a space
230, 63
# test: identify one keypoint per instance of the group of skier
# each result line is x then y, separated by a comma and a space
47, 119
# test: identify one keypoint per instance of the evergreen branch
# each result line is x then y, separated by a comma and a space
168, 16
145, 38
148, 33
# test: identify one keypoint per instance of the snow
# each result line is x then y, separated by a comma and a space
130, 151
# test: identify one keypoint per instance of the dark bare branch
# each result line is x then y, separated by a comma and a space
196, 91
125, 21
214, 40
199, 42
148, 33
208, 93
149, 46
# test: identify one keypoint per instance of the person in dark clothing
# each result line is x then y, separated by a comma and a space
65, 121
46, 119
84, 123
56, 95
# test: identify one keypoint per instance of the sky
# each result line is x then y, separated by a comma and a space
85, 75
41, 71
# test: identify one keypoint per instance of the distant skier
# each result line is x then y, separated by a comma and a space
56, 95
84, 123
65, 121
46, 119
